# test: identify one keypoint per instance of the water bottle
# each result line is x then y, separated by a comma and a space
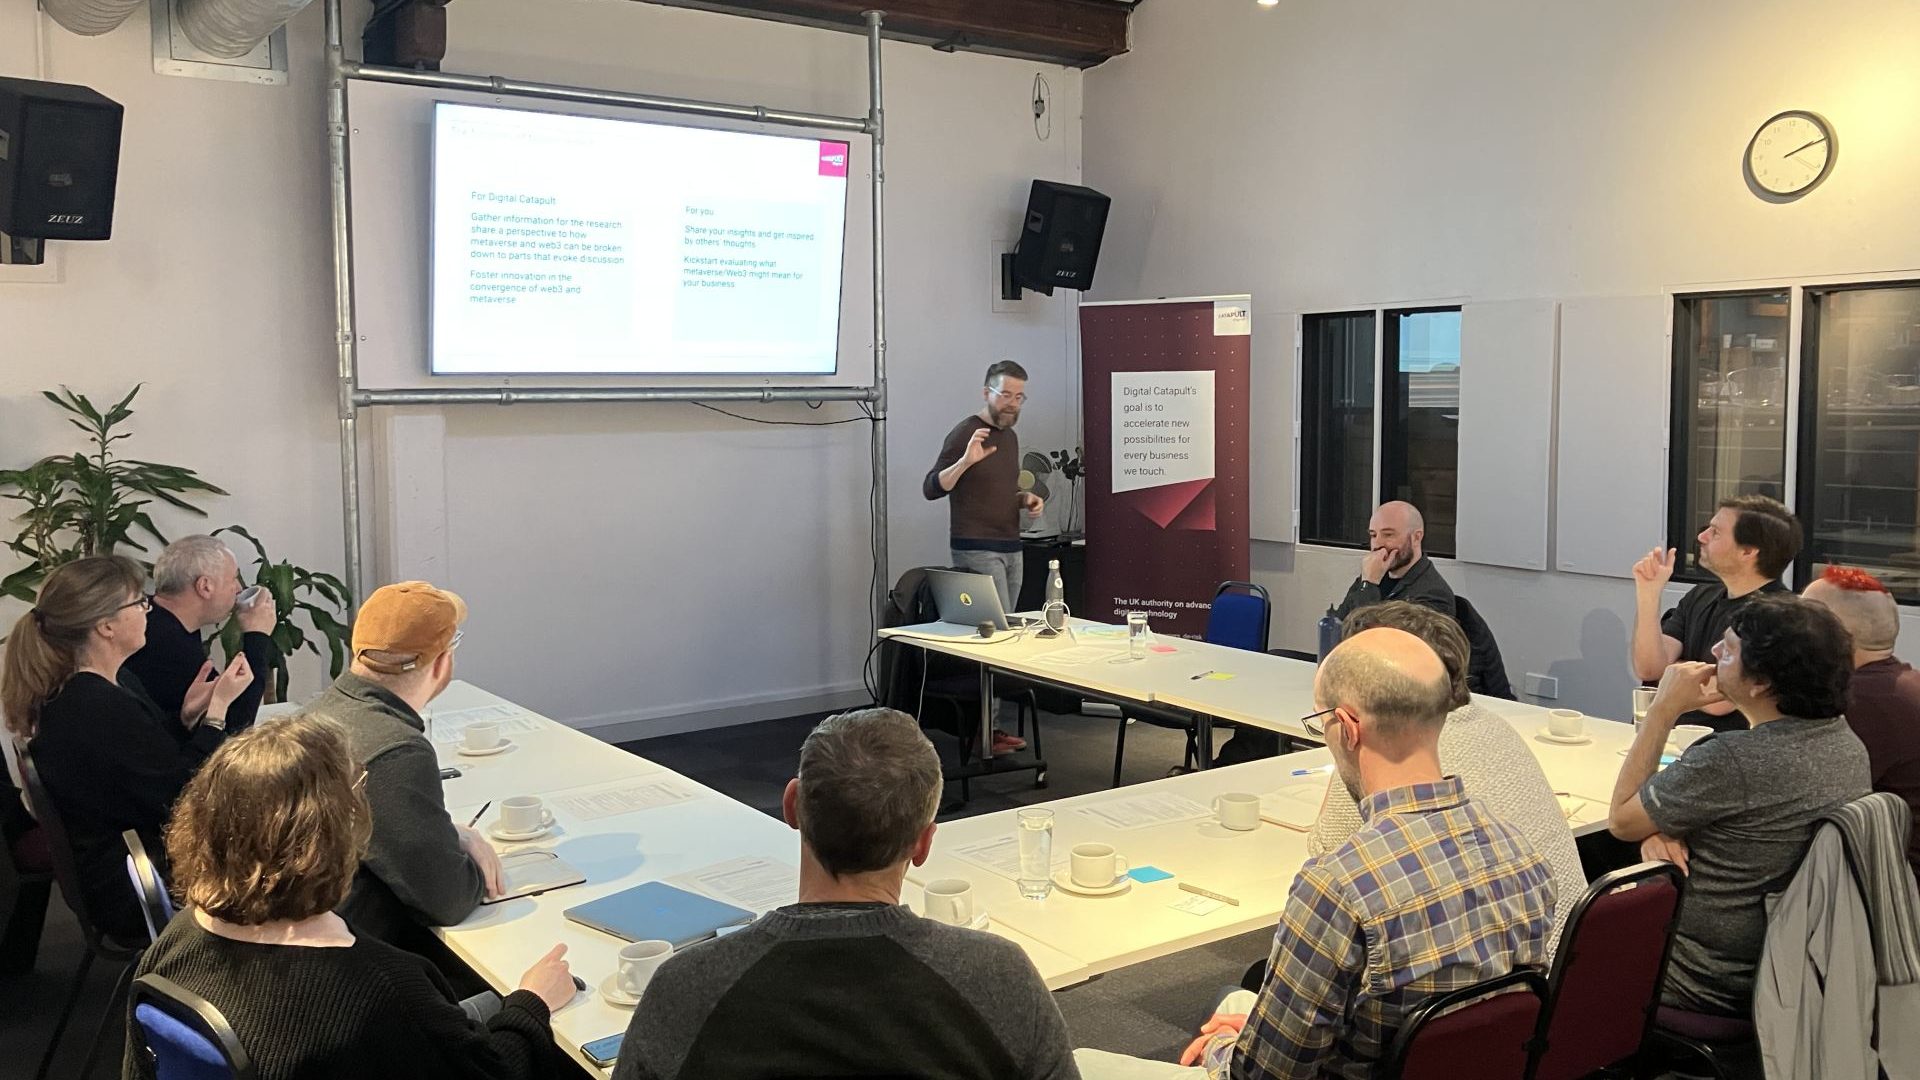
1329, 632
1034, 831
1055, 610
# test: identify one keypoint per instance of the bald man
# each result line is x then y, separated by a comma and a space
1468, 899
1883, 698
1396, 567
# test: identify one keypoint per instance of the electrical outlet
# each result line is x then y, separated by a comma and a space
1542, 686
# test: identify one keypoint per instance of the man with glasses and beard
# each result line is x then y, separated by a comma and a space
978, 473
1395, 567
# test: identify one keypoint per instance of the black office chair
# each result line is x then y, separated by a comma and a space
156, 907
1486, 671
66, 871
26, 883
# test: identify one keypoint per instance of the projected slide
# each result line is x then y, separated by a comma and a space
579, 245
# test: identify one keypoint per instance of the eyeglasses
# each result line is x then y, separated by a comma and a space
1017, 399
145, 603
361, 781
1318, 731
455, 643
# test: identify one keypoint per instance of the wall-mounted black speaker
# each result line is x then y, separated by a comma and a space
59, 153
1060, 241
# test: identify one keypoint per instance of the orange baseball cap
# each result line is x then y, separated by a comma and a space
410, 619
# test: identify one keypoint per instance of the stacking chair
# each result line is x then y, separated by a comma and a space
156, 907
182, 1035
26, 883
1605, 982
1237, 619
67, 873
1484, 1031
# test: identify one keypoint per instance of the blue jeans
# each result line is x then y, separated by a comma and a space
1006, 568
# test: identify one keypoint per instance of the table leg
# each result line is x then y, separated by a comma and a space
986, 712
1203, 734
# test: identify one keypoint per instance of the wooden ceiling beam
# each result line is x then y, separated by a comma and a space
1076, 33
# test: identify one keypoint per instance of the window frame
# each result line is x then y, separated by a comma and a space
1391, 437
1303, 428
1805, 451
1681, 530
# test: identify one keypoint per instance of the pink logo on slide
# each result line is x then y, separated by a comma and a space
833, 159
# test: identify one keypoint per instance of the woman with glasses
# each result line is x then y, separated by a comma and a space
111, 760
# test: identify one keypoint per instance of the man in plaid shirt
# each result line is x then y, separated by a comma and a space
1432, 893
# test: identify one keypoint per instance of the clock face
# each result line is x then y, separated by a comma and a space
1790, 154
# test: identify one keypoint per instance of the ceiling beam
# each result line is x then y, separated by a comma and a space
1076, 33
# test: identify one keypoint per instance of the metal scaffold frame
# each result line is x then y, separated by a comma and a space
352, 398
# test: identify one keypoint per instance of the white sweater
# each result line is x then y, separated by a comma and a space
1495, 766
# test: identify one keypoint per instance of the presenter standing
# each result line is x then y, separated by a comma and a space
978, 473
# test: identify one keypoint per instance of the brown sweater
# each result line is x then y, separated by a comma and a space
985, 503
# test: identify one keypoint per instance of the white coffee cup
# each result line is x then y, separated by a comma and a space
1685, 735
1096, 866
1566, 723
524, 814
950, 900
638, 962
481, 735
1238, 811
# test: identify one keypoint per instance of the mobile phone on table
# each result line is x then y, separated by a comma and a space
449, 773
604, 1052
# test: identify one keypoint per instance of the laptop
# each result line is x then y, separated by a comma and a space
968, 600
656, 911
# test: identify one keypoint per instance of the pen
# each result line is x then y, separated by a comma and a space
477, 813
1198, 891
1310, 772
1202, 675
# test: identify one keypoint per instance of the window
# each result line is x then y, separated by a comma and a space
1729, 409
1859, 437
1336, 424
1420, 398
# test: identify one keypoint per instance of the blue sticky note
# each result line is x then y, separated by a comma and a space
1148, 873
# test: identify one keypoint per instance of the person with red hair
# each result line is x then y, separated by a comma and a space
1883, 699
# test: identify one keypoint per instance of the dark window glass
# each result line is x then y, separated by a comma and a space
1729, 410
1860, 433
1420, 397
1336, 428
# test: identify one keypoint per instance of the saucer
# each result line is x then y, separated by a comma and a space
611, 992
505, 745
498, 833
1564, 740
1064, 879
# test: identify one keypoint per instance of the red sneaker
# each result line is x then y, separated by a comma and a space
1003, 743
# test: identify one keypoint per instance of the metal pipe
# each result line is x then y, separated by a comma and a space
495, 84
876, 128
556, 395
344, 325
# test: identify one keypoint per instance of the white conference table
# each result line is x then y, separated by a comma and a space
1255, 867
1265, 691
699, 829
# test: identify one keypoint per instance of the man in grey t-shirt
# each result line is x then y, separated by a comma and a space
1738, 810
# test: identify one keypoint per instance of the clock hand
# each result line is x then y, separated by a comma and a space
1796, 150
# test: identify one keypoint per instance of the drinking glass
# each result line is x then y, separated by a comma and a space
1642, 701
1137, 632
1035, 832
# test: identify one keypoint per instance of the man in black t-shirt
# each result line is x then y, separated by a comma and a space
1748, 544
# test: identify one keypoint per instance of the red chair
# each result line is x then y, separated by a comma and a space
1484, 1031
1605, 982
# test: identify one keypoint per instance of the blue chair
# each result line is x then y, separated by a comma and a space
181, 1034
156, 907
1237, 619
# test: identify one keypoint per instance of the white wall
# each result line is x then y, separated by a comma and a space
1323, 155
652, 564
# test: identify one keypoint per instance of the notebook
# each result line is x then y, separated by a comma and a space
658, 911
529, 873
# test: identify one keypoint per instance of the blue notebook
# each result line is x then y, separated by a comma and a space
658, 911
